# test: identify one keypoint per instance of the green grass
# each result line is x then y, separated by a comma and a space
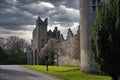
68, 73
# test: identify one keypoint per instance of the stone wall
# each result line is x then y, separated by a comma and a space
40, 38
69, 51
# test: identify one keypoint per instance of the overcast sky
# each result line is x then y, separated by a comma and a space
17, 17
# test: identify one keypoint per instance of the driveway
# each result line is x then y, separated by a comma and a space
18, 72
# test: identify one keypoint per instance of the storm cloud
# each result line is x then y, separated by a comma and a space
20, 15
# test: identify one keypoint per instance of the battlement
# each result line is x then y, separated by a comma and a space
41, 36
69, 33
39, 22
40, 25
54, 34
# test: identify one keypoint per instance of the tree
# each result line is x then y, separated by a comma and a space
49, 51
105, 39
2, 42
3, 55
16, 44
13, 50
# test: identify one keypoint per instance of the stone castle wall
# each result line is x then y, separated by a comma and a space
40, 38
69, 51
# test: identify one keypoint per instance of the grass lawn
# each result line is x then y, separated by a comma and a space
68, 73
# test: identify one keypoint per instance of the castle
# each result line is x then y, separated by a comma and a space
70, 55
88, 9
41, 37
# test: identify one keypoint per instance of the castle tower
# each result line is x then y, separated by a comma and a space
88, 10
39, 38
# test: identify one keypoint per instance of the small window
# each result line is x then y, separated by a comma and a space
98, 1
93, 2
94, 8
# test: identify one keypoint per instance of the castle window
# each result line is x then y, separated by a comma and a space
98, 1
94, 8
93, 2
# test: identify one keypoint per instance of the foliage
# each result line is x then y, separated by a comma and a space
16, 58
49, 47
13, 58
12, 50
3, 55
68, 73
15, 44
105, 38
48, 51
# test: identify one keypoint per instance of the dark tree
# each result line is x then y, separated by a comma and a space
105, 39
3, 56
16, 44
12, 50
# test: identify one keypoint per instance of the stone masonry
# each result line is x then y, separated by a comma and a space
40, 38
70, 46
69, 56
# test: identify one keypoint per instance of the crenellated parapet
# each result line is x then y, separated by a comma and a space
69, 34
39, 22
41, 37
61, 38
69, 50
54, 34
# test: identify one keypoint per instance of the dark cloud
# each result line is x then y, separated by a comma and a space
39, 8
13, 18
69, 3
64, 16
27, 1
19, 14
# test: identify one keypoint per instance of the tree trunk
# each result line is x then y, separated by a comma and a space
115, 77
47, 65
118, 77
57, 60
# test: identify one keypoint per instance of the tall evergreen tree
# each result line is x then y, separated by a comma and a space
105, 39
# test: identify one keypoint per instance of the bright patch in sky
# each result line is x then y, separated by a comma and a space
46, 4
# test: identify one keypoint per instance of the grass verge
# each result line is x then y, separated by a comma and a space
68, 73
